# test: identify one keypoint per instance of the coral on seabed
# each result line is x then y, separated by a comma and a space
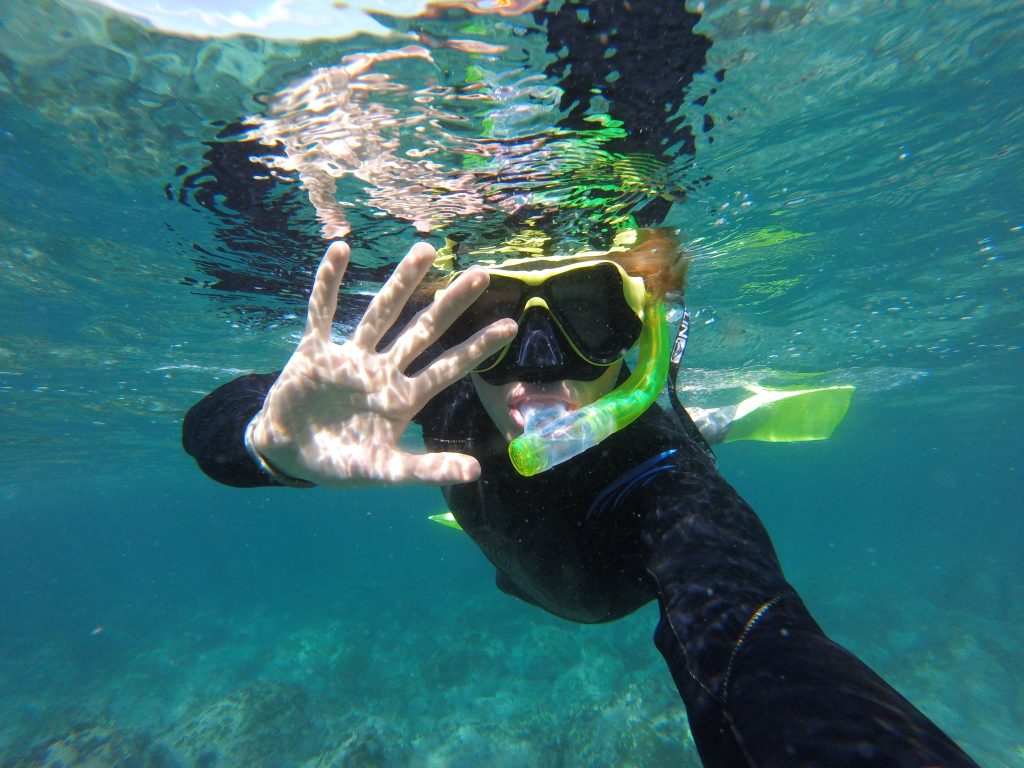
368, 744
97, 745
264, 725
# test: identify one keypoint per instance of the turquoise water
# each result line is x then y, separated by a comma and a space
863, 223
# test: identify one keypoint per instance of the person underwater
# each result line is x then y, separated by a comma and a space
534, 349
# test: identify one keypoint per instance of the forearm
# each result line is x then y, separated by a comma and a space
793, 696
763, 684
213, 431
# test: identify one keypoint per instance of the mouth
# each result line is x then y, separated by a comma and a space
537, 399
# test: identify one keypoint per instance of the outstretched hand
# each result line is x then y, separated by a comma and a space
337, 412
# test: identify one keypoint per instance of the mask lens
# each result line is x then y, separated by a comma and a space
503, 298
589, 305
593, 311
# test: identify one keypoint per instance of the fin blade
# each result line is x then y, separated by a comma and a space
781, 416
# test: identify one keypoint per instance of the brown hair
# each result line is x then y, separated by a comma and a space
658, 258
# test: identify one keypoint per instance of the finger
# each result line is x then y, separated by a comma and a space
440, 468
458, 361
388, 304
384, 465
432, 322
323, 301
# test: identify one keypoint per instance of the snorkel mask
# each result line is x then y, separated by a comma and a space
577, 317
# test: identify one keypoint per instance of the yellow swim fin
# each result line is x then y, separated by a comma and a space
446, 519
789, 415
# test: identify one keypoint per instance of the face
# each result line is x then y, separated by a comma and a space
503, 402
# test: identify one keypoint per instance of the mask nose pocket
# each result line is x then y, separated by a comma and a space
539, 344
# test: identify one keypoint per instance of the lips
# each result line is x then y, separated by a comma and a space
537, 399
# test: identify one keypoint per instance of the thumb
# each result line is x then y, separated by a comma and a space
442, 468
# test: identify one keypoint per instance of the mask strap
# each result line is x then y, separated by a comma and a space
678, 350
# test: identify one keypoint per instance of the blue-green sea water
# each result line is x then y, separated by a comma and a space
862, 222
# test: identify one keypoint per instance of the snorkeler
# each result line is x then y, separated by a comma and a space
643, 515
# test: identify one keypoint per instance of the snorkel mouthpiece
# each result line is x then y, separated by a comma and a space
554, 435
536, 417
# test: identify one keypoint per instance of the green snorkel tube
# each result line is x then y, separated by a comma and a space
559, 440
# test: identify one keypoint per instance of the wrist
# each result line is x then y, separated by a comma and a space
251, 446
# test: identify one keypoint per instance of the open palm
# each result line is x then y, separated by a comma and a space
337, 411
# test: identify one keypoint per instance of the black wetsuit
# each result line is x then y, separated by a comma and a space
645, 515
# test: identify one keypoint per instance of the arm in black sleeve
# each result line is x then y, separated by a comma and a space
213, 432
762, 683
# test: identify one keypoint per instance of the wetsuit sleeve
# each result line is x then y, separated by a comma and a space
762, 683
213, 432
